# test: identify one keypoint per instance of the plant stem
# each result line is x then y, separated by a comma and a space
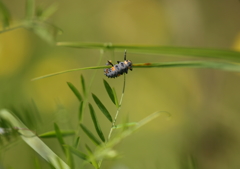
10, 29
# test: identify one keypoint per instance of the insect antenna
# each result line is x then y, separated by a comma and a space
110, 63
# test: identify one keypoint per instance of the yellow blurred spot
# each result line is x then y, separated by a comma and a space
236, 45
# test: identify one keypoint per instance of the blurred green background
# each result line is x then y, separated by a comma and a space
204, 103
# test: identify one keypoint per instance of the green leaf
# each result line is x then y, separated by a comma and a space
131, 124
83, 85
33, 141
115, 98
37, 164
95, 122
4, 15
90, 135
80, 113
52, 134
30, 9
70, 158
91, 155
44, 14
75, 91
102, 107
59, 137
76, 142
109, 90
78, 153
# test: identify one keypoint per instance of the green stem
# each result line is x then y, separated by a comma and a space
10, 29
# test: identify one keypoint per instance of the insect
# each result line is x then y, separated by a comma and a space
119, 68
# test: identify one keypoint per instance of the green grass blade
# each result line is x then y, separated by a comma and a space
83, 85
78, 153
161, 50
76, 142
59, 137
109, 90
30, 9
102, 107
90, 135
75, 91
52, 134
4, 15
80, 112
95, 122
33, 141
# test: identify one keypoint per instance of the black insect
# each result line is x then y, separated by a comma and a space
118, 69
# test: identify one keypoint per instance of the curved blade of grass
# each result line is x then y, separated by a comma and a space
33, 141
83, 85
77, 153
52, 134
161, 50
228, 66
95, 122
90, 135
80, 113
109, 90
75, 91
59, 137
102, 107
4, 15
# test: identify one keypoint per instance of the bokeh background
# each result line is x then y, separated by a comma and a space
204, 103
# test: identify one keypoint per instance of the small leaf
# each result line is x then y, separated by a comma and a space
90, 135
115, 98
30, 9
75, 91
44, 14
80, 113
95, 122
92, 159
102, 107
77, 153
4, 15
59, 136
83, 85
52, 134
76, 142
109, 90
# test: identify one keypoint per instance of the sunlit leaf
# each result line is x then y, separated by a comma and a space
102, 107
4, 15
95, 122
109, 90
52, 134
75, 91
90, 135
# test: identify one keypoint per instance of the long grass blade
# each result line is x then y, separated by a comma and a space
109, 90
53, 134
90, 135
33, 141
95, 122
75, 91
102, 107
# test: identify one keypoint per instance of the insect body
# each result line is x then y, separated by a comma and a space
118, 69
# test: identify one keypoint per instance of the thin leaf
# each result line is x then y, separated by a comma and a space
78, 153
75, 91
109, 90
115, 97
102, 107
131, 124
95, 122
70, 158
4, 15
161, 50
90, 135
80, 113
227, 66
92, 159
83, 85
30, 9
44, 14
33, 141
76, 142
59, 137
52, 134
